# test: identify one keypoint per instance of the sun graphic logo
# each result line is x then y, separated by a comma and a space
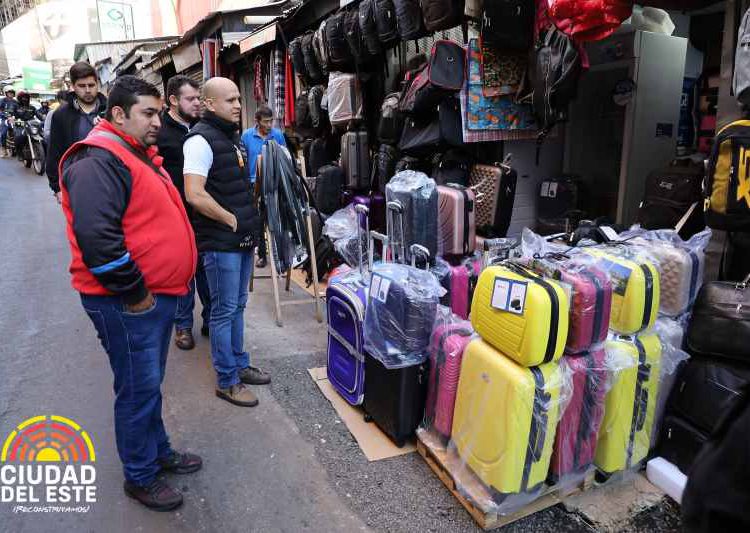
48, 459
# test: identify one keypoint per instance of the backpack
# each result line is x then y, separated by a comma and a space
314, 96
588, 21
409, 19
385, 20
354, 38
453, 166
344, 99
314, 72
320, 47
385, 165
741, 78
391, 121
320, 155
303, 120
669, 194
413, 83
446, 71
298, 59
727, 187
556, 69
339, 54
368, 26
442, 14
508, 24
407, 163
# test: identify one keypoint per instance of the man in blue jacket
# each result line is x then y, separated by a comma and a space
253, 139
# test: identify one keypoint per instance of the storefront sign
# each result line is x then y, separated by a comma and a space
258, 38
115, 20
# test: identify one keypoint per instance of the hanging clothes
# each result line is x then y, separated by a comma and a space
210, 49
289, 92
259, 93
278, 87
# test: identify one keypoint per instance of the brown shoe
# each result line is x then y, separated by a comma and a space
254, 376
157, 496
184, 340
180, 463
238, 395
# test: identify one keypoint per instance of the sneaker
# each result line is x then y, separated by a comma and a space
181, 463
238, 395
262, 262
254, 376
184, 339
204, 330
157, 495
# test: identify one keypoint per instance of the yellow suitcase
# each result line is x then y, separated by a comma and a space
625, 434
522, 314
505, 419
635, 288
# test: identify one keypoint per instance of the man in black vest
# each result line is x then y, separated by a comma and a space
227, 227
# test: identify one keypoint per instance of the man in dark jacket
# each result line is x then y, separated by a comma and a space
227, 227
8, 106
133, 255
183, 99
72, 121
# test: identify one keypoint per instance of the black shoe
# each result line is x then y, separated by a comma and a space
184, 339
157, 495
181, 463
204, 330
261, 262
254, 376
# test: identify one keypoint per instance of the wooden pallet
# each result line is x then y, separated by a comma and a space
474, 495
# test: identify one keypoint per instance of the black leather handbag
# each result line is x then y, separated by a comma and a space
720, 325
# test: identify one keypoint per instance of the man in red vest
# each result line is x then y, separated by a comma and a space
134, 255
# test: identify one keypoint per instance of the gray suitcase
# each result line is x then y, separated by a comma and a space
355, 159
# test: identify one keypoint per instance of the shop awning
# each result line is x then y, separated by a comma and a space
258, 38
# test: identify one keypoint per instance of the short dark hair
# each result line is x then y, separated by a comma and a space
125, 93
176, 83
263, 112
82, 70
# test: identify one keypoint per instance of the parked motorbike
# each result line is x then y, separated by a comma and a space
29, 143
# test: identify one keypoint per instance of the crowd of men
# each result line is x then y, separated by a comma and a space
158, 198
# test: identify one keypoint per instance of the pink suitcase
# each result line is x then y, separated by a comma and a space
459, 281
591, 293
446, 351
575, 440
457, 226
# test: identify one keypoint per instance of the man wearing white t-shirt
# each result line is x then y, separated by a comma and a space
227, 228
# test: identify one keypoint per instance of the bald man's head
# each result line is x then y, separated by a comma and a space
222, 97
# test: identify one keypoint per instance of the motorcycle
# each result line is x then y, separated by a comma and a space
10, 140
30, 144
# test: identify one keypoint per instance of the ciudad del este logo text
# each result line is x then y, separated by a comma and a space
48, 459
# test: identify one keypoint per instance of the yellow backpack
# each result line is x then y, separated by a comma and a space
727, 187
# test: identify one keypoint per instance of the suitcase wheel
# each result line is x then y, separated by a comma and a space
399, 443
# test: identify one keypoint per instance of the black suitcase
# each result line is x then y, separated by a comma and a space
395, 399
680, 442
355, 159
416, 221
328, 187
704, 389
385, 165
557, 198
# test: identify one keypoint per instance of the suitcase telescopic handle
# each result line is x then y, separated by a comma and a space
396, 210
375, 236
362, 212
418, 249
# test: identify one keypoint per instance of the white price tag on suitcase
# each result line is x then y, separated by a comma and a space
509, 295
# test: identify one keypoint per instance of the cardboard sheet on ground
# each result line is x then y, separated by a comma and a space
373, 442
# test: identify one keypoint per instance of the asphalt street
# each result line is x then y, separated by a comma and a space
287, 465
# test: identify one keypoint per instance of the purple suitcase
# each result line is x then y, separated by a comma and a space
375, 202
346, 299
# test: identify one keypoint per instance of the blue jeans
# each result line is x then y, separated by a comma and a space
3, 132
228, 275
184, 317
137, 345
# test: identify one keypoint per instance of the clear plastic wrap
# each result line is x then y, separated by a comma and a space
681, 264
496, 250
671, 332
629, 410
504, 425
450, 335
412, 217
400, 313
534, 245
343, 229
459, 281
344, 98
590, 374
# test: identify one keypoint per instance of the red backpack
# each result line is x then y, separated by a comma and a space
588, 20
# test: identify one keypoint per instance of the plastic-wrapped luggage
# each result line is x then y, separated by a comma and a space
625, 433
635, 286
450, 337
522, 314
401, 309
504, 422
457, 229
459, 281
346, 299
590, 295
412, 200
578, 431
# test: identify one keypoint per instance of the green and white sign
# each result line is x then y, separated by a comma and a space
37, 75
